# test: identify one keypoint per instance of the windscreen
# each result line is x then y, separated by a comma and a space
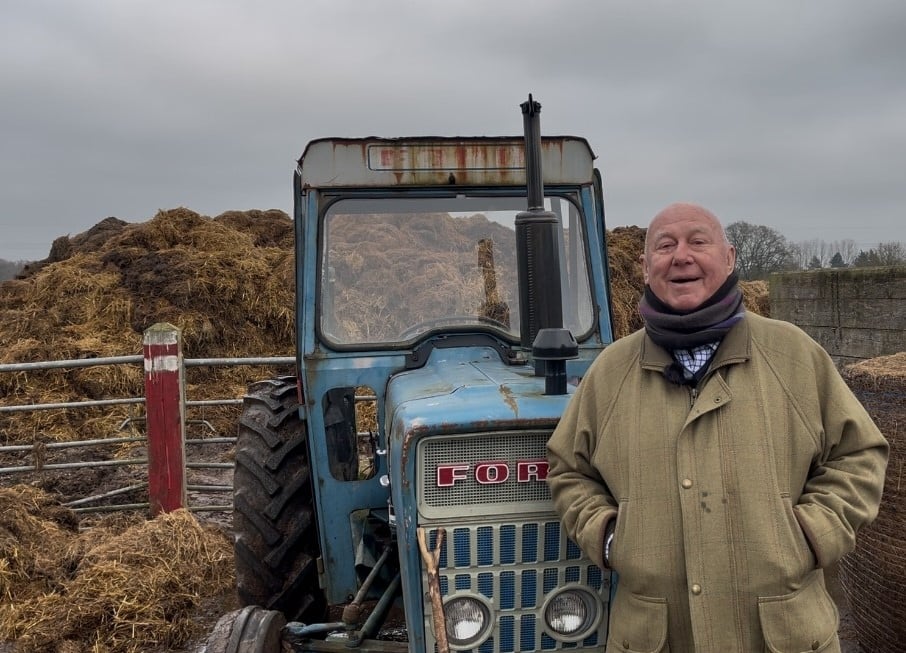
393, 269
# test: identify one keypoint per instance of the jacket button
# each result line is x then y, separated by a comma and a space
687, 483
696, 589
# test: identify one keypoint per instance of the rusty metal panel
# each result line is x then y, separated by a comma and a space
433, 161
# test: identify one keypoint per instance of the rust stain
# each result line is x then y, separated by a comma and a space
509, 399
408, 441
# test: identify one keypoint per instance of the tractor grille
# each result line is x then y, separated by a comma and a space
522, 454
514, 565
503, 540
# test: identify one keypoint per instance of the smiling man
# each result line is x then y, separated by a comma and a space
716, 461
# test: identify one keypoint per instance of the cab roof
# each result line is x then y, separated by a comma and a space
438, 161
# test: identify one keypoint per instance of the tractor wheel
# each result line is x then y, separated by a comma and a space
249, 630
274, 518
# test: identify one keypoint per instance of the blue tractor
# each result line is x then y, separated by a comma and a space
451, 292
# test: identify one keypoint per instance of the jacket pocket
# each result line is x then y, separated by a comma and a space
803, 621
617, 531
806, 556
638, 624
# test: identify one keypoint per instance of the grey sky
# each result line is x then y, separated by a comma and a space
788, 114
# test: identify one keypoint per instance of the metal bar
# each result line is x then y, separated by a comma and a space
209, 465
77, 362
113, 508
72, 404
78, 465
221, 440
210, 488
274, 360
223, 508
377, 615
72, 444
215, 402
106, 495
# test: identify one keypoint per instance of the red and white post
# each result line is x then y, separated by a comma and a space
166, 422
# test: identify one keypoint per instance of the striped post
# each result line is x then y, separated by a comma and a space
164, 406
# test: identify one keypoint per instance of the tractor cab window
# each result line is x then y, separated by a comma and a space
393, 269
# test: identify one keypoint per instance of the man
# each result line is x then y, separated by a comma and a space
716, 461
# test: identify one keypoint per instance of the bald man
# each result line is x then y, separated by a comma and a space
715, 460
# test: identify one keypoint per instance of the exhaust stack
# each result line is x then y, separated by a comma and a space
538, 262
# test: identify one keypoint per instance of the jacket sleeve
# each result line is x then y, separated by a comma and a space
843, 491
581, 497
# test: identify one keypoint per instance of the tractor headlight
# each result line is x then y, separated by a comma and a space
468, 620
572, 613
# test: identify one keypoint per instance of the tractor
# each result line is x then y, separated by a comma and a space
391, 496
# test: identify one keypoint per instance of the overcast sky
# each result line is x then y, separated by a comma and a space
787, 114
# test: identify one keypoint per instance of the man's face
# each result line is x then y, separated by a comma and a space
687, 257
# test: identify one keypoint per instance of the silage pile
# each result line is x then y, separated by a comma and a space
125, 586
227, 282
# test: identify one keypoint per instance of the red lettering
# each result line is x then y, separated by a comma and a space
492, 473
531, 470
447, 475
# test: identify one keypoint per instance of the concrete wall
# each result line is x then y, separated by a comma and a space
855, 313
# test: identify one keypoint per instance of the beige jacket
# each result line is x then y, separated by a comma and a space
729, 500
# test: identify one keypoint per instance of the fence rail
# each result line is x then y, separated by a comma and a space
165, 407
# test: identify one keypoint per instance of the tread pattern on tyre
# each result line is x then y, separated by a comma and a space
273, 508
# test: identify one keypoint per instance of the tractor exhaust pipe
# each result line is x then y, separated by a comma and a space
538, 263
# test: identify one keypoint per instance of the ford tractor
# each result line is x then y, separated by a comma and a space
391, 496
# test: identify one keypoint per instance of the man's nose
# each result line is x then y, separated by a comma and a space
682, 253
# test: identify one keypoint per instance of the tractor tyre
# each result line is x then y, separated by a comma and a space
274, 519
249, 630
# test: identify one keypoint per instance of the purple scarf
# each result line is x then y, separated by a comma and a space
709, 322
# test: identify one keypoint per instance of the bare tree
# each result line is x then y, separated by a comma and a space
891, 253
808, 250
847, 249
760, 250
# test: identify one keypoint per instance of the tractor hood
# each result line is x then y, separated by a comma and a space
467, 390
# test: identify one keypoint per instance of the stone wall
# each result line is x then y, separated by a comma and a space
855, 314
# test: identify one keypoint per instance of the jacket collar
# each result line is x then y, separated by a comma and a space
736, 347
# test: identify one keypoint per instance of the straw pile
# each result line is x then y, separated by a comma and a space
624, 247
226, 282
874, 575
125, 586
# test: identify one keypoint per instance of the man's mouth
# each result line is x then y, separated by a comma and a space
684, 280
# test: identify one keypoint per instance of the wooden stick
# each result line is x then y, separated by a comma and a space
437, 605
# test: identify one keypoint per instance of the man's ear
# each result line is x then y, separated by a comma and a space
731, 258
644, 262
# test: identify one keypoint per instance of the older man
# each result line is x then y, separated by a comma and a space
716, 461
